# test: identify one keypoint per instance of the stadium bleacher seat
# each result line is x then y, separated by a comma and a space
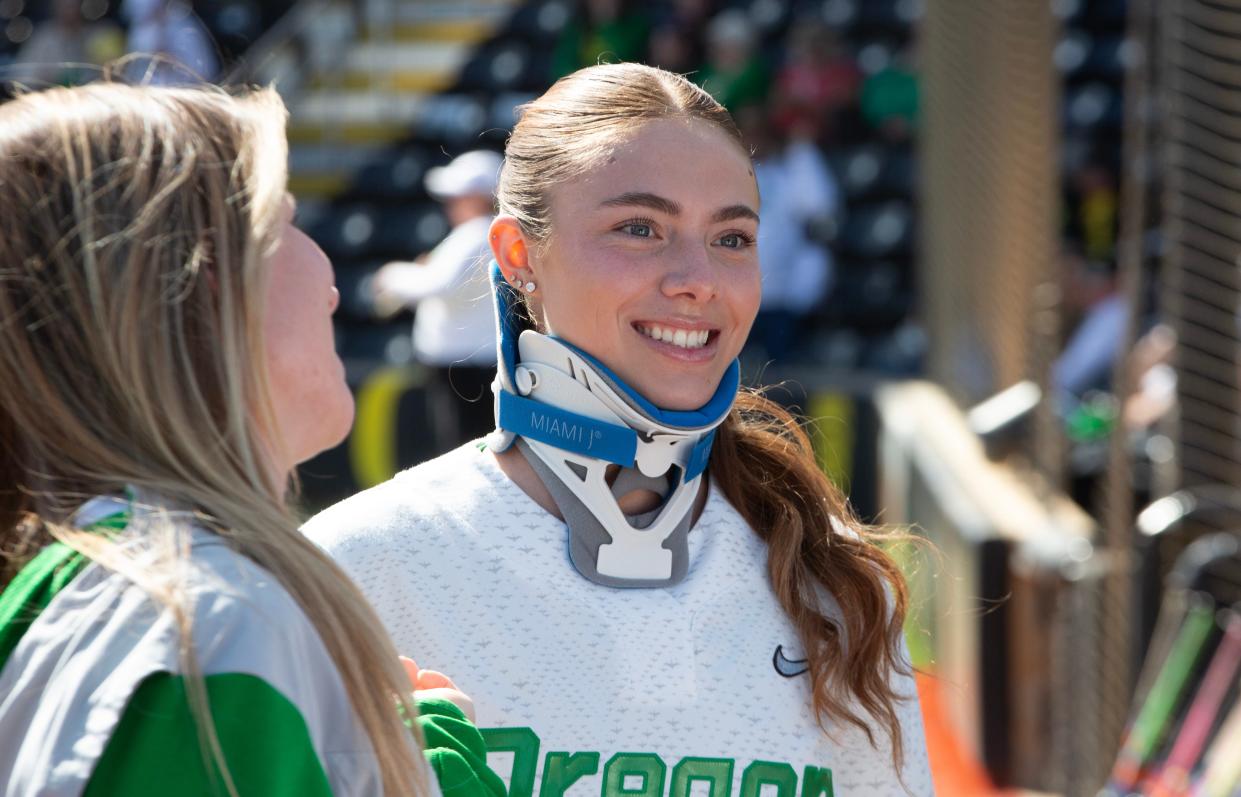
1094, 104
539, 22
393, 175
500, 66
875, 171
877, 231
371, 344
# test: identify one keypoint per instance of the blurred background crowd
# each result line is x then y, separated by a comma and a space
1000, 258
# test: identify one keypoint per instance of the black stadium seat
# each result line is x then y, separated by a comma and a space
874, 171
367, 344
345, 231
395, 175
454, 119
870, 294
840, 14
501, 66
1107, 58
539, 22
353, 280
390, 231
887, 17
878, 231
1094, 104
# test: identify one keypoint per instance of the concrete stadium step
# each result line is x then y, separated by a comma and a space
334, 117
397, 65
374, 56
415, 11
423, 82
324, 170
383, 83
344, 107
462, 31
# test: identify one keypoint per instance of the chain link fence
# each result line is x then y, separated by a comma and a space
1200, 103
990, 273
990, 200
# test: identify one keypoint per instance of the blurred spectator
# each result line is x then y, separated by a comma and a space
818, 80
673, 48
734, 73
1092, 207
890, 97
798, 194
171, 32
1153, 388
676, 39
454, 325
607, 30
66, 50
1092, 299
688, 15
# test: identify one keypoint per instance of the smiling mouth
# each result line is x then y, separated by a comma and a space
684, 338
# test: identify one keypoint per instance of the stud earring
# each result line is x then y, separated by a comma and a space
530, 286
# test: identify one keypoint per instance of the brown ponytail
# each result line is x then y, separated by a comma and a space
764, 464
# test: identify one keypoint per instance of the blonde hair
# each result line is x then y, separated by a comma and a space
762, 459
133, 262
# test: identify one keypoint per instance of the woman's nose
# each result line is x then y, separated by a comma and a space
691, 274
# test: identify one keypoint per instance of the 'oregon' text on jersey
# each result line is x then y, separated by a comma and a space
647, 774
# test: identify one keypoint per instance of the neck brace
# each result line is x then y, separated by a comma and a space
573, 418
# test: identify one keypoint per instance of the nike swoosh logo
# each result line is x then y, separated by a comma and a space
789, 668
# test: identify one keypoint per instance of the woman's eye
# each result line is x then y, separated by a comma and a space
735, 240
640, 229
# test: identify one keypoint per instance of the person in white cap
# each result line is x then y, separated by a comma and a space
454, 328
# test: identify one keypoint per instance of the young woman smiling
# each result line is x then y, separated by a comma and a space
643, 573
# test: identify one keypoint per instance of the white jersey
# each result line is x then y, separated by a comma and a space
583, 689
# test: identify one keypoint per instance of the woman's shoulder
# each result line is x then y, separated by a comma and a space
242, 613
430, 498
241, 617
104, 646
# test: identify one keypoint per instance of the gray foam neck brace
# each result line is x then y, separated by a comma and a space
605, 545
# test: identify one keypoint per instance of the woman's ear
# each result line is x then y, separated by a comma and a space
508, 246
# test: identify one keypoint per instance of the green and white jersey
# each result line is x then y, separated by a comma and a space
582, 689
93, 699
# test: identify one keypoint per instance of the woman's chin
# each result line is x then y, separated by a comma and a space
680, 400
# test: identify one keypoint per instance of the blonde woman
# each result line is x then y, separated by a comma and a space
646, 568
166, 359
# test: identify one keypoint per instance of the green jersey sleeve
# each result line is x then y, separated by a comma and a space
457, 752
32, 590
156, 748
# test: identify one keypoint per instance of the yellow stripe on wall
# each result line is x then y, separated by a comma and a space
373, 443
832, 421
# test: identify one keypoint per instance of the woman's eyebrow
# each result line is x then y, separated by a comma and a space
664, 205
643, 199
734, 212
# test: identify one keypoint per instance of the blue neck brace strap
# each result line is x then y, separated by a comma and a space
573, 417
523, 417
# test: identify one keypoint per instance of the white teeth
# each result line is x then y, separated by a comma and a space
686, 339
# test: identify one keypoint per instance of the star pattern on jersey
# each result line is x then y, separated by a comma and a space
472, 578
